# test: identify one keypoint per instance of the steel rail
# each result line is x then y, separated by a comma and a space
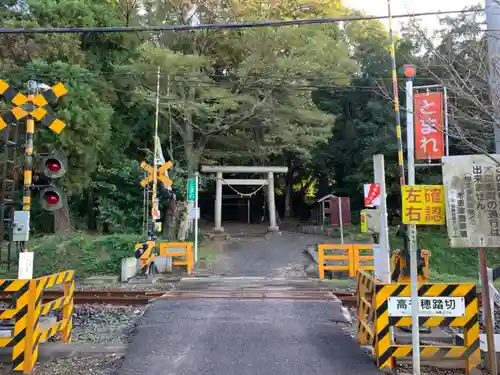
141, 297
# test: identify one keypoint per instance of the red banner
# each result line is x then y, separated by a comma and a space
429, 128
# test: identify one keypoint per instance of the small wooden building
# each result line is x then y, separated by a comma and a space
330, 207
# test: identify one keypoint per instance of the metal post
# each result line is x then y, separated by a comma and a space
196, 181
154, 198
490, 334
383, 264
412, 229
493, 26
410, 131
341, 221
218, 203
25, 268
28, 167
446, 135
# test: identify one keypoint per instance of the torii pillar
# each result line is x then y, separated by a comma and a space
220, 170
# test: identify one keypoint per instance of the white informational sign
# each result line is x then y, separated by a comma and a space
372, 195
429, 306
25, 271
472, 191
194, 213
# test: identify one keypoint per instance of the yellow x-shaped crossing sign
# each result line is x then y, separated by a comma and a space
33, 105
160, 173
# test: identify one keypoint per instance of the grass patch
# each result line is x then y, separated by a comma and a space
86, 254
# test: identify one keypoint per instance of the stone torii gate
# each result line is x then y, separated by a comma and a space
220, 170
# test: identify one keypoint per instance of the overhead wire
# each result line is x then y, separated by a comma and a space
240, 25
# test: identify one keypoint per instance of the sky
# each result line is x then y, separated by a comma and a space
379, 7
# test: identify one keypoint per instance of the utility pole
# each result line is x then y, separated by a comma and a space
493, 26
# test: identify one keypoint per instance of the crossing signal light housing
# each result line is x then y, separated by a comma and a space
53, 166
51, 199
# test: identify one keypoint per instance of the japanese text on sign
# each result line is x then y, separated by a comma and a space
429, 130
429, 306
423, 205
473, 200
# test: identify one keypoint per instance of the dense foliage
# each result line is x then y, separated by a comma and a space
316, 98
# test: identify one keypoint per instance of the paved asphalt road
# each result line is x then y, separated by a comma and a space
273, 255
231, 337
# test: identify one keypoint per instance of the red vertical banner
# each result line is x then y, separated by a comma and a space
429, 126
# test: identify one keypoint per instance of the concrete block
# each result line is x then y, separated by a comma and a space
129, 268
163, 264
101, 280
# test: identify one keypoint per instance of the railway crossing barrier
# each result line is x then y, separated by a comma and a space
185, 252
382, 306
349, 257
27, 311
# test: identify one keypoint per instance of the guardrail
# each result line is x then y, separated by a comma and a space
352, 258
27, 310
187, 254
444, 305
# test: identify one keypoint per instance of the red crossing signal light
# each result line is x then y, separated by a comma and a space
53, 166
52, 199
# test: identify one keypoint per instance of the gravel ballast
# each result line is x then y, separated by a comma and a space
96, 325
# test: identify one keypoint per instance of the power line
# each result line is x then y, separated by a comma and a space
242, 25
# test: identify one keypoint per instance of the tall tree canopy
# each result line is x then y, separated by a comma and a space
316, 98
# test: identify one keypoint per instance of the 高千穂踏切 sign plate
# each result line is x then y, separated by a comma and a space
429, 306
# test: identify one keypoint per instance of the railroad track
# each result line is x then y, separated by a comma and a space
131, 297
111, 297
141, 297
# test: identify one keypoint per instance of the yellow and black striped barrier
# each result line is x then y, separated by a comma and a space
365, 287
186, 252
27, 311
379, 315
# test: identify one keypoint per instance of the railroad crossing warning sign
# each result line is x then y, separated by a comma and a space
160, 173
472, 200
423, 204
372, 195
33, 105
